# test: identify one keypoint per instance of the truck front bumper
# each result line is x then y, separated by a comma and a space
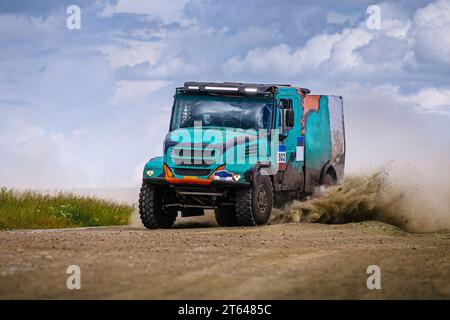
222, 184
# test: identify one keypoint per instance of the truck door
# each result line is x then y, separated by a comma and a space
290, 157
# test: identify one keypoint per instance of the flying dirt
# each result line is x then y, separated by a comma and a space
378, 196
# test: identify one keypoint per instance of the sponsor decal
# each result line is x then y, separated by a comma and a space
300, 150
223, 175
281, 156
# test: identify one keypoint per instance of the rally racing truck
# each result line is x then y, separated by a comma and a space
241, 149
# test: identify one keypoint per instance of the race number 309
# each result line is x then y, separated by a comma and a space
233, 309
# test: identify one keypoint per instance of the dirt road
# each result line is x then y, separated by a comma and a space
200, 261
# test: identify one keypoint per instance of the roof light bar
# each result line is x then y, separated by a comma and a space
251, 90
239, 88
222, 88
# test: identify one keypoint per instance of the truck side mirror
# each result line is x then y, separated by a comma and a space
289, 118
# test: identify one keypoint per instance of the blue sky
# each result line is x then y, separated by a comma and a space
88, 107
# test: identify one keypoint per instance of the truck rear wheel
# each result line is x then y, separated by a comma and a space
254, 205
225, 216
153, 215
328, 180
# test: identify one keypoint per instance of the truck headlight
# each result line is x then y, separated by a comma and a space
149, 173
236, 177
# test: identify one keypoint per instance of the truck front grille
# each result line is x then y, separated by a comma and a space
192, 172
201, 157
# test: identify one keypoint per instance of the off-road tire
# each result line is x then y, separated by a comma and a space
152, 214
248, 205
225, 216
328, 180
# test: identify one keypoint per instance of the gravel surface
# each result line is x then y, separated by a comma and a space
202, 261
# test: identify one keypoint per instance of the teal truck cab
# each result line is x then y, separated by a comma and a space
241, 149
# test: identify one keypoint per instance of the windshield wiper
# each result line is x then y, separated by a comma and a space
237, 120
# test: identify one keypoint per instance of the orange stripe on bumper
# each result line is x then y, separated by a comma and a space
189, 180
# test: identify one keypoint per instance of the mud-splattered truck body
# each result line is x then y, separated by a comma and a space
241, 149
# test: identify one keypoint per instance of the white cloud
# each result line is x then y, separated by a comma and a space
132, 52
432, 100
24, 26
136, 92
336, 52
338, 18
396, 28
283, 59
167, 11
425, 36
175, 66
431, 30
426, 100
343, 55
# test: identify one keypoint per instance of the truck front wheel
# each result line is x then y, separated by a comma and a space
254, 205
225, 216
153, 215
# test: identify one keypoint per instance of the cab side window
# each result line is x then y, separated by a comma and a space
286, 103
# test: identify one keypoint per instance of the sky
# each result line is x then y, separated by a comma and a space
88, 107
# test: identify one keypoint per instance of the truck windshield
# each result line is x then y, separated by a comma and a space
219, 111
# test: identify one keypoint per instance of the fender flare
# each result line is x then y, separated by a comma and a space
252, 173
328, 168
156, 164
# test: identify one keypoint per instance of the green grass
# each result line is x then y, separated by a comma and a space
29, 210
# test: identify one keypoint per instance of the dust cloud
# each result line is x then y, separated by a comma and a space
409, 198
413, 199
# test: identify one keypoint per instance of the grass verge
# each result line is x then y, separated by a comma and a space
30, 210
